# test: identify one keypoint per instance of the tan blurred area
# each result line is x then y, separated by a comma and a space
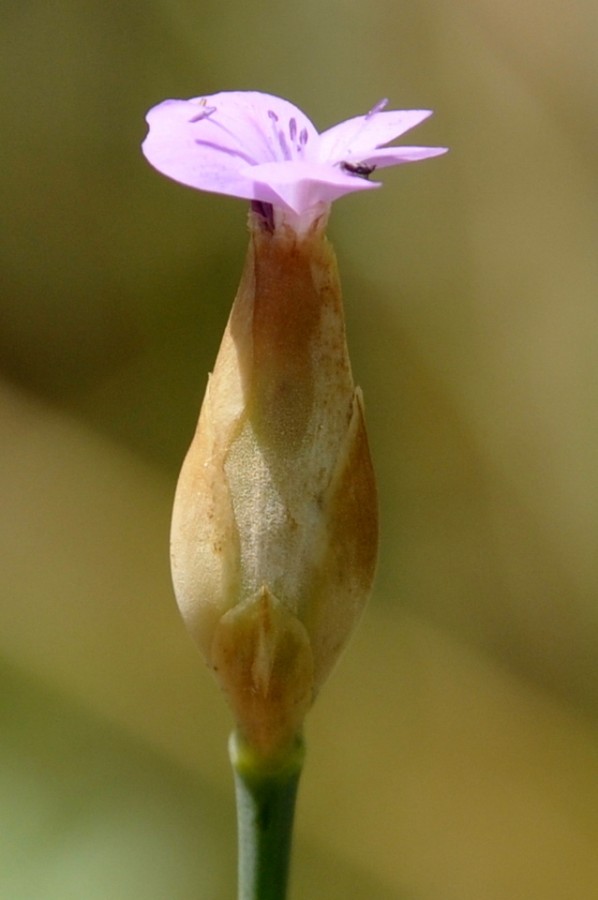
454, 753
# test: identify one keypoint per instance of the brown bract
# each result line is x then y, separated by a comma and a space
274, 531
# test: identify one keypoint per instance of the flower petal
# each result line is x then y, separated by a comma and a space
394, 156
175, 148
267, 127
260, 147
355, 138
301, 186
205, 141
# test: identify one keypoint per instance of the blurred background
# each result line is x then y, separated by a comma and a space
454, 753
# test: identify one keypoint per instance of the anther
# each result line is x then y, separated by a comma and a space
204, 111
377, 108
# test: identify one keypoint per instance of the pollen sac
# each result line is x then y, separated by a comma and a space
274, 531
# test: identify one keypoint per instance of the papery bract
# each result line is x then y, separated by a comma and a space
275, 523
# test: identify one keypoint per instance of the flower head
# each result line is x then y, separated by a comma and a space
262, 148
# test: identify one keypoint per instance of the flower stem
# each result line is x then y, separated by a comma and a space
265, 792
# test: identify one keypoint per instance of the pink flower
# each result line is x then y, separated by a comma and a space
253, 145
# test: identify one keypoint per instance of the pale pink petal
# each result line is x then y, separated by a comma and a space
301, 186
266, 127
394, 156
353, 139
260, 147
204, 142
174, 146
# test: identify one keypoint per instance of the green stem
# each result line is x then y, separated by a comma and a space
266, 792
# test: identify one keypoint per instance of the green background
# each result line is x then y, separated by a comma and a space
454, 753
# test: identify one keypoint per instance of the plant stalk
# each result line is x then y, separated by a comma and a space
265, 794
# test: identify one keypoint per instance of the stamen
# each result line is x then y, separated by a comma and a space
280, 135
284, 146
377, 108
204, 112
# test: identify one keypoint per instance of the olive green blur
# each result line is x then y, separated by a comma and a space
454, 753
